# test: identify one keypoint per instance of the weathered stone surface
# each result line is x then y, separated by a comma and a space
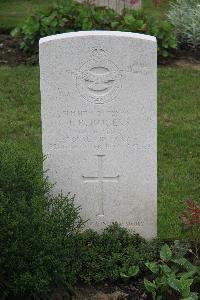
117, 5
99, 123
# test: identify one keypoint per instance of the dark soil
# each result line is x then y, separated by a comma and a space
11, 55
131, 290
127, 290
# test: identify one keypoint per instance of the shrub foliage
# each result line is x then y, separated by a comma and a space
108, 254
37, 231
185, 16
73, 16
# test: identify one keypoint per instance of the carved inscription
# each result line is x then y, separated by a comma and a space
97, 122
99, 143
135, 223
98, 79
98, 129
94, 119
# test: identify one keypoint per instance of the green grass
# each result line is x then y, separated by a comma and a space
178, 132
178, 145
14, 12
20, 105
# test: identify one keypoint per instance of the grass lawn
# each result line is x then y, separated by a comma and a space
14, 12
178, 132
20, 105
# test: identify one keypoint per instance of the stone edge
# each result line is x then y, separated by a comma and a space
61, 36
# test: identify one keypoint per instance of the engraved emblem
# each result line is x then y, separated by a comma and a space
99, 79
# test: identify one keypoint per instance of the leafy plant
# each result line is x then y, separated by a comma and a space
38, 232
64, 16
185, 17
163, 31
113, 252
73, 16
172, 275
131, 272
133, 20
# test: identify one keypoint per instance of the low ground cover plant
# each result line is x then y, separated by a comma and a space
72, 16
178, 268
110, 254
174, 276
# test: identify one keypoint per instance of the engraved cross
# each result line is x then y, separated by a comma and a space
100, 179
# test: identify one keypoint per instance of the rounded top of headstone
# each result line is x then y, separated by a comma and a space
97, 33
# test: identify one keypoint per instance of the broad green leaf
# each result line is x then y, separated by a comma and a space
139, 24
173, 43
192, 296
166, 270
87, 25
174, 283
186, 264
186, 275
180, 261
185, 286
161, 282
123, 275
15, 32
153, 267
133, 271
150, 286
129, 20
165, 252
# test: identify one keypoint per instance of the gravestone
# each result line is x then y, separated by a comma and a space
117, 5
98, 93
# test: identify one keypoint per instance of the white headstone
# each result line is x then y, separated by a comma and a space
99, 124
117, 5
